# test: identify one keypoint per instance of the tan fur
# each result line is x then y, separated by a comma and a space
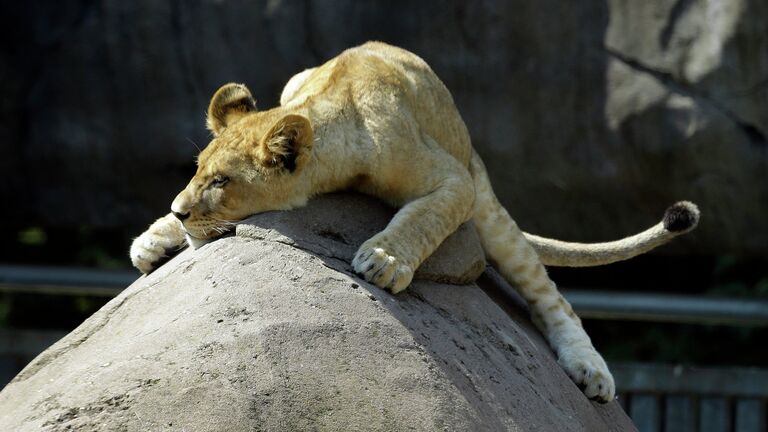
553, 252
374, 119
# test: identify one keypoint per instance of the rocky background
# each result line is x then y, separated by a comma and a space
593, 116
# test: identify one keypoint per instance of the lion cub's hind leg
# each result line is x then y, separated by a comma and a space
517, 261
161, 240
390, 258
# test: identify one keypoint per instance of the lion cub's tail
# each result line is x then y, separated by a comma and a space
680, 218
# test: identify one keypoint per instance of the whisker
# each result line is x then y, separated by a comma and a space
224, 221
194, 144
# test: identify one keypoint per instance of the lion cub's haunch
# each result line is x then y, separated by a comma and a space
376, 119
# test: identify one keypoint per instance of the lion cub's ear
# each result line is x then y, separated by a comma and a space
229, 103
288, 142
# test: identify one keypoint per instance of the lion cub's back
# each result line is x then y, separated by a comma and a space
376, 77
428, 99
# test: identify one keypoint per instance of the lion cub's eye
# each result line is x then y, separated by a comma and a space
219, 181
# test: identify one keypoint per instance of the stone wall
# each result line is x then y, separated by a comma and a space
593, 116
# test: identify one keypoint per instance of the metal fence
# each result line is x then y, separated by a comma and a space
658, 398
685, 399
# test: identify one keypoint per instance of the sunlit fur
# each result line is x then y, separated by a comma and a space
377, 119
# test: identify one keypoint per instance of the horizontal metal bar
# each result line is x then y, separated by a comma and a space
83, 291
64, 281
667, 379
66, 276
587, 303
667, 308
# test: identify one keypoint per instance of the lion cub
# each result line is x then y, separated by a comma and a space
378, 120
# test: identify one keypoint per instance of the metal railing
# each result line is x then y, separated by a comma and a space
64, 280
667, 308
587, 303
662, 398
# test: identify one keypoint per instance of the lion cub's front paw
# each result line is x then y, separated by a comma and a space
149, 250
382, 269
588, 370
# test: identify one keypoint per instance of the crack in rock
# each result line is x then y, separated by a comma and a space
755, 136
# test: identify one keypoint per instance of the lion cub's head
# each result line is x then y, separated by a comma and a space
251, 165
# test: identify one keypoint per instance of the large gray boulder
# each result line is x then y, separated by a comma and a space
597, 112
270, 330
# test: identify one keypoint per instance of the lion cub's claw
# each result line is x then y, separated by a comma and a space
382, 269
588, 370
149, 250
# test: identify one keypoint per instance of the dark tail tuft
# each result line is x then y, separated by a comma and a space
681, 217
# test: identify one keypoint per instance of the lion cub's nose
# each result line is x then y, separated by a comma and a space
180, 206
180, 216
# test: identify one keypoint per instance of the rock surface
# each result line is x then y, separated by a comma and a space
597, 112
269, 330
